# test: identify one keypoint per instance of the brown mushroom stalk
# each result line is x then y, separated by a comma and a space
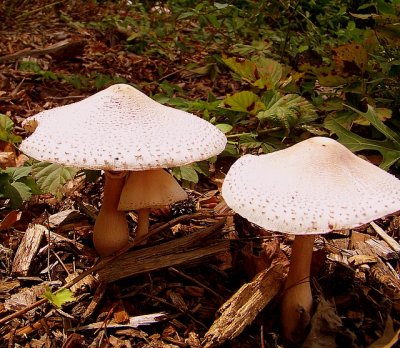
142, 225
111, 232
313, 187
296, 304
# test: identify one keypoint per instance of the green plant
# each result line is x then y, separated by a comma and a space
389, 147
17, 184
264, 109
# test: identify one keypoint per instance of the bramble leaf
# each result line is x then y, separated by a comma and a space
51, 176
244, 101
287, 111
60, 297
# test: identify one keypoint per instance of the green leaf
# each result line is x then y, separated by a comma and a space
372, 116
244, 101
18, 192
287, 111
388, 148
224, 127
17, 173
263, 73
6, 130
246, 69
51, 176
187, 173
270, 73
60, 297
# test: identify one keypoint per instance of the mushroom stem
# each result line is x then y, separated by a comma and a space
111, 232
297, 298
142, 225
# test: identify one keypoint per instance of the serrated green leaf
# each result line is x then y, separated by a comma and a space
246, 69
263, 73
60, 297
18, 192
6, 123
17, 173
287, 111
202, 167
249, 141
375, 121
390, 153
270, 73
51, 176
245, 101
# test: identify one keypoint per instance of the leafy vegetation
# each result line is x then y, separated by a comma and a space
297, 69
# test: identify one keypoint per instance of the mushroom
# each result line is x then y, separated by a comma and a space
117, 130
314, 187
149, 189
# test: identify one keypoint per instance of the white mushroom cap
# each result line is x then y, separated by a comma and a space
150, 188
120, 128
315, 186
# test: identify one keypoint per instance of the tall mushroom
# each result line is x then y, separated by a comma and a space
117, 130
314, 187
149, 189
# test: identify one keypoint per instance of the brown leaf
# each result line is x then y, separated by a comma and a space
389, 336
10, 219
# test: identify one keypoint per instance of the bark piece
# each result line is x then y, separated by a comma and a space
97, 297
133, 322
60, 50
190, 249
63, 217
390, 283
27, 249
389, 240
241, 309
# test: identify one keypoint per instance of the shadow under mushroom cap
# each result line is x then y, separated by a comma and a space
313, 187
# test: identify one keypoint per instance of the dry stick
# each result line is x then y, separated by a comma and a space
211, 291
186, 312
103, 263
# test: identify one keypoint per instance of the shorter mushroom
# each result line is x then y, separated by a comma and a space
146, 190
119, 129
314, 187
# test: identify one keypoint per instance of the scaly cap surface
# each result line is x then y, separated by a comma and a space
120, 128
313, 187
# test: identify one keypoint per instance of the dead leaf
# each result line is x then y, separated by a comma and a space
389, 336
10, 219
7, 159
325, 326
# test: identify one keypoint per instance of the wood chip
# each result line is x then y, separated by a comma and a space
27, 249
133, 322
389, 240
241, 309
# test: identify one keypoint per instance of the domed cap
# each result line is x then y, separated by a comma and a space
120, 128
313, 187
150, 189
